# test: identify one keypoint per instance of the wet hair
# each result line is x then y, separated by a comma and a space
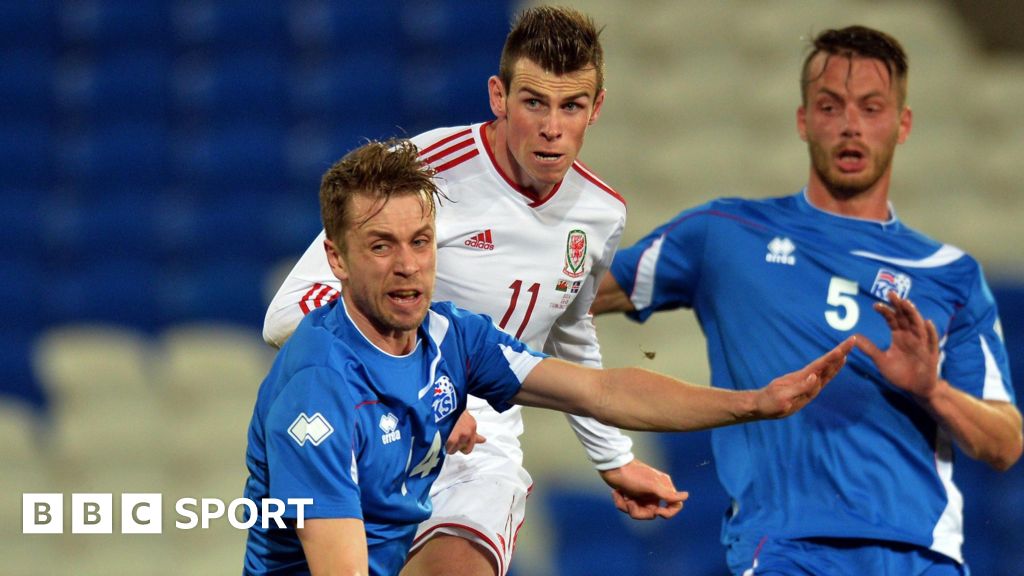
560, 40
379, 170
858, 41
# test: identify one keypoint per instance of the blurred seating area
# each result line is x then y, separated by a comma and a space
160, 164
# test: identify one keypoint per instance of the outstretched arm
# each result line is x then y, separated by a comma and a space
639, 399
335, 546
987, 430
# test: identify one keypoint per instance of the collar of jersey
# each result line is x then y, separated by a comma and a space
534, 202
892, 224
347, 320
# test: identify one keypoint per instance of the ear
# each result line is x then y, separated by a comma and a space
801, 122
496, 92
336, 260
598, 104
906, 120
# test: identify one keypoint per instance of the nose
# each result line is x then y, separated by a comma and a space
551, 129
851, 124
406, 263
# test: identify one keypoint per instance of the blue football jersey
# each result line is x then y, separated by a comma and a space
774, 284
362, 432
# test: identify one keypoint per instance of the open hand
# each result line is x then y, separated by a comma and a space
787, 394
912, 361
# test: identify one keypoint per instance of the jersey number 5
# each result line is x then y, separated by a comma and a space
840, 294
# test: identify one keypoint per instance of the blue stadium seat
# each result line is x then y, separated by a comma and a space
115, 23
590, 537
230, 24
314, 147
19, 382
118, 290
469, 25
117, 84
224, 290
225, 86
91, 227
232, 158
21, 223
27, 149
346, 27
25, 85
116, 154
689, 543
28, 24
449, 91
21, 292
352, 88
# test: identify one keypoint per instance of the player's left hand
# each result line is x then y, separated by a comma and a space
912, 361
464, 437
644, 492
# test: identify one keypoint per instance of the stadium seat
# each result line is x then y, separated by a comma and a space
351, 88
590, 538
28, 24
27, 149
236, 157
230, 24
228, 291
116, 155
114, 23
224, 86
119, 290
345, 27
115, 84
689, 543
26, 84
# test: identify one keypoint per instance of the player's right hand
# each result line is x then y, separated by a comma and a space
464, 437
789, 393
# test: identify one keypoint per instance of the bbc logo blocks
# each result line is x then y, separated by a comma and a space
91, 513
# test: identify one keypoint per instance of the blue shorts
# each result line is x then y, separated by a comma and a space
839, 557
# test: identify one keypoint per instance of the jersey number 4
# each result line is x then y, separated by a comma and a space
841, 294
427, 464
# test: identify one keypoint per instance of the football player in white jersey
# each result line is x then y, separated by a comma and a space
525, 236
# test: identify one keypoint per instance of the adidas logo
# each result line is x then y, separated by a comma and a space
482, 241
780, 251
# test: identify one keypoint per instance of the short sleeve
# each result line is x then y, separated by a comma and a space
661, 271
310, 439
974, 356
497, 364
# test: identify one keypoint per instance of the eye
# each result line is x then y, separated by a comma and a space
379, 248
573, 107
532, 103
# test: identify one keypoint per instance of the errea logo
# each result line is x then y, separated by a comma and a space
314, 429
780, 251
389, 425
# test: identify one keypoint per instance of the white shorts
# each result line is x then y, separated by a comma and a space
480, 497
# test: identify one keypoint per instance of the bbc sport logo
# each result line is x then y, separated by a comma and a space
142, 513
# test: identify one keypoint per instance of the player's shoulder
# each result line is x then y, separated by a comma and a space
317, 344
599, 190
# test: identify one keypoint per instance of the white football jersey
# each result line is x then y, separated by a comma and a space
533, 267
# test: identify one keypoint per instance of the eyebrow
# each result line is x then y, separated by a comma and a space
838, 96
539, 96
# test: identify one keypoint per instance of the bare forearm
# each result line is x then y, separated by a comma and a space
986, 430
639, 399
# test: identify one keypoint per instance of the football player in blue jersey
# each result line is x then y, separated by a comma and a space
351, 422
862, 481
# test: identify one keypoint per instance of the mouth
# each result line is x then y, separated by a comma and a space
851, 159
405, 297
548, 156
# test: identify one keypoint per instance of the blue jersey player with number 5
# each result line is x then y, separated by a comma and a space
359, 403
860, 482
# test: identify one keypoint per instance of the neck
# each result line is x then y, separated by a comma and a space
870, 204
497, 138
390, 340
